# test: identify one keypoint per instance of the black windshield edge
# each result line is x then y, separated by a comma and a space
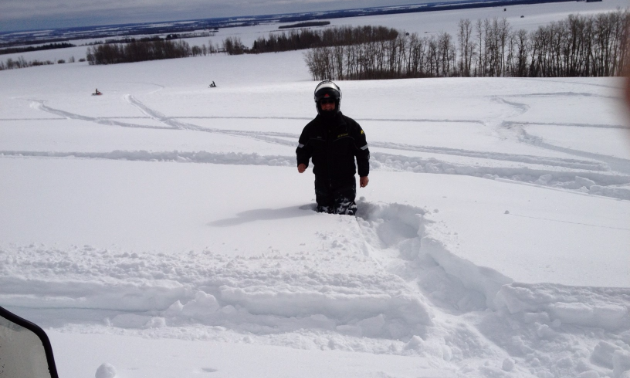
39, 332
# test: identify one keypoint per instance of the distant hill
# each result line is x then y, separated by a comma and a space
305, 24
8, 39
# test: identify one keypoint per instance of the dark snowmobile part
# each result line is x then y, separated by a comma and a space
26, 349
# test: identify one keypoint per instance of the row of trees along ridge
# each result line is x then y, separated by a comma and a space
581, 45
142, 50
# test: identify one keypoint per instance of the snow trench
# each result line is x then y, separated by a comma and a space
407, 289
539, 330
266, 293
274, 292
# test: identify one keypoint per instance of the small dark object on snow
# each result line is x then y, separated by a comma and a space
96, 93
213, 85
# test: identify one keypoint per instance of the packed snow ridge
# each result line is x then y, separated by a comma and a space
271, 292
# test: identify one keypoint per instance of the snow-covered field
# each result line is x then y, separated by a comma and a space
163, 228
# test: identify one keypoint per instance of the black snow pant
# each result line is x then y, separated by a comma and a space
336, 196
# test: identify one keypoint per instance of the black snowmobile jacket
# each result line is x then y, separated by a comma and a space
333, 144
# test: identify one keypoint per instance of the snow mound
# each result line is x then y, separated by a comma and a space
105, 371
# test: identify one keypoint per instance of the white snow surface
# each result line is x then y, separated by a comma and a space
162, 228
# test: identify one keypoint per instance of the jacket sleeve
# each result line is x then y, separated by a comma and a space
362, 152
303, 151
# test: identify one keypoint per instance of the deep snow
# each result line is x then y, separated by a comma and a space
162, 229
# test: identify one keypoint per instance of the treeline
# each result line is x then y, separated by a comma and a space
594, 45
306, 39
138, 51
12, 64
305, 24
49, 46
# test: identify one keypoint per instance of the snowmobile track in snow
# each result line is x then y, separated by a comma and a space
592, 175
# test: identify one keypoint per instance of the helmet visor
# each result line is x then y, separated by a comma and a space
326, 94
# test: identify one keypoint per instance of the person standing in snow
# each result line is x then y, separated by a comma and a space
333, 141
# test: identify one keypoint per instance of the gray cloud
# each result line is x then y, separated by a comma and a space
16, 9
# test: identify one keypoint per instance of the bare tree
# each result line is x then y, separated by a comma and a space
466, 47
577, 46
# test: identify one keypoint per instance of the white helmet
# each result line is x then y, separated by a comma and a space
325, 90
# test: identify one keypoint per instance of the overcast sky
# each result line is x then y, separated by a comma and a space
43, 14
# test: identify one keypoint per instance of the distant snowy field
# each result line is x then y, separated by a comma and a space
162, 228
424, 24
